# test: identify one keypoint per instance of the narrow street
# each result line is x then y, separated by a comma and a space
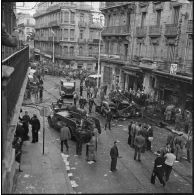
132, 176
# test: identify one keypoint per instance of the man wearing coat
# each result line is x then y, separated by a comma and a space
139, 143
35, 128
114, 155
149, 137
64, 136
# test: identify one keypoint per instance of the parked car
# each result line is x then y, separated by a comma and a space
67, 88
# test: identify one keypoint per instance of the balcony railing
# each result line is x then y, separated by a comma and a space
154, 31
81, 40
141, 31
55, 38
20, 62
115, 30
95, 25
190, 26
120, 57
170, 30
94, 41
82, 24
53, 23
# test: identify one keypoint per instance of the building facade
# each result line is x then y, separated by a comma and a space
15, 63
75, 32
148, 45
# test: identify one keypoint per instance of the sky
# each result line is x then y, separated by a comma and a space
29, 7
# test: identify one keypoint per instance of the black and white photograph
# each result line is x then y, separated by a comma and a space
97, 97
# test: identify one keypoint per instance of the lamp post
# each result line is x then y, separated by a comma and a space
98, 84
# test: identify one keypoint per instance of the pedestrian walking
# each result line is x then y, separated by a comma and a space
88, 92
17, 144
91, 149
144, 134
133, 134
95, 91
139, 143
75, 97
158, 170
91, 103
189, 148
79, 142
26, 121
114, 154
149, 137
81, 89
41, 93
108, 119
129, 130
178, 146
169, 161
20, 132
64, 136
138, 128
35, 128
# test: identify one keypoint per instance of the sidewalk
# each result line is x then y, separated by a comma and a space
42, 173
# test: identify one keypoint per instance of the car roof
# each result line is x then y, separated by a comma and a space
64, 113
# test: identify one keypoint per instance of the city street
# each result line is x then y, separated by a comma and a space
132, 176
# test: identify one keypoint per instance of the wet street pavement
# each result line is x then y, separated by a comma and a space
132, 176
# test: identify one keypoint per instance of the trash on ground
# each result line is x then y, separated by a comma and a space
72, 168
74, 184
67, 163
120, 125
75, 155
105, 175
67, 168
26, 175
90, 162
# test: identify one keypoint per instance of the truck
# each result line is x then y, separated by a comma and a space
67, 88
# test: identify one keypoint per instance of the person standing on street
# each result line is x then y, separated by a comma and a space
35, 128
26, 121
129, 130
114, 155
108, 119
169, 161
41, 92
91, 103
178, 146
158, 169
79, 142
133, 134
81, 89
149, 137
64, 136
88, 92
139, 143
75, 97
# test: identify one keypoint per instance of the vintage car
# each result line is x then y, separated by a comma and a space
67, 88
73, 121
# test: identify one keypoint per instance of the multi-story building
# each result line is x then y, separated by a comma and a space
149, 45
76, 34
26, 24
15, 63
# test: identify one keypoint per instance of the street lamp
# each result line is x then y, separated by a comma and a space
98, 84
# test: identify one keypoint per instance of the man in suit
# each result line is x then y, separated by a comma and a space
35, 128
114, 155
64, 136
139, 143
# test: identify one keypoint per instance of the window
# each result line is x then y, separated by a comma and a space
65, 50
155, 51
66, 17
71, 34
176, 15
143, 19
72, 17
91, 34
171, 53
158, 12
107, 47
81, 34
81, 50
118, 48
82, 17
90, 51
189, 50
71, 51
65, 34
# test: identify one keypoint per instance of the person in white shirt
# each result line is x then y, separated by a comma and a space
169, 161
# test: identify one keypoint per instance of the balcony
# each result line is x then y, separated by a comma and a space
105, 5
170, 30
82, 24
115, 30
53, 23
81, 40
155, 31
94, 41
38, 26
190, 27
19, 61
95, 25
56, 39
141, 31
115, 57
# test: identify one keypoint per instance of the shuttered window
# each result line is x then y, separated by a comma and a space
176, 15
171, 53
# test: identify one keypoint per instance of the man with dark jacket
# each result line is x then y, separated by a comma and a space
35, 128
91, 103
108, 119
129, 130
158, 169
114, 155
26, 121
149, 137
64, 136
139, 143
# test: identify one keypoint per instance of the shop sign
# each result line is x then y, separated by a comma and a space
173, 69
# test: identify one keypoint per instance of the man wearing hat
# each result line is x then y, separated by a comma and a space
114, 155
139, 143
35, 128
158, 169
64, 136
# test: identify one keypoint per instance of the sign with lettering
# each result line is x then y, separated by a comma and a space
173, 69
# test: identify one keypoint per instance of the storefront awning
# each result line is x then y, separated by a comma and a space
175, 77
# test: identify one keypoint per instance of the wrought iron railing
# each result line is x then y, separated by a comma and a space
20, 62
141, 31
115, 30
154, 30
190, 26
170, 30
